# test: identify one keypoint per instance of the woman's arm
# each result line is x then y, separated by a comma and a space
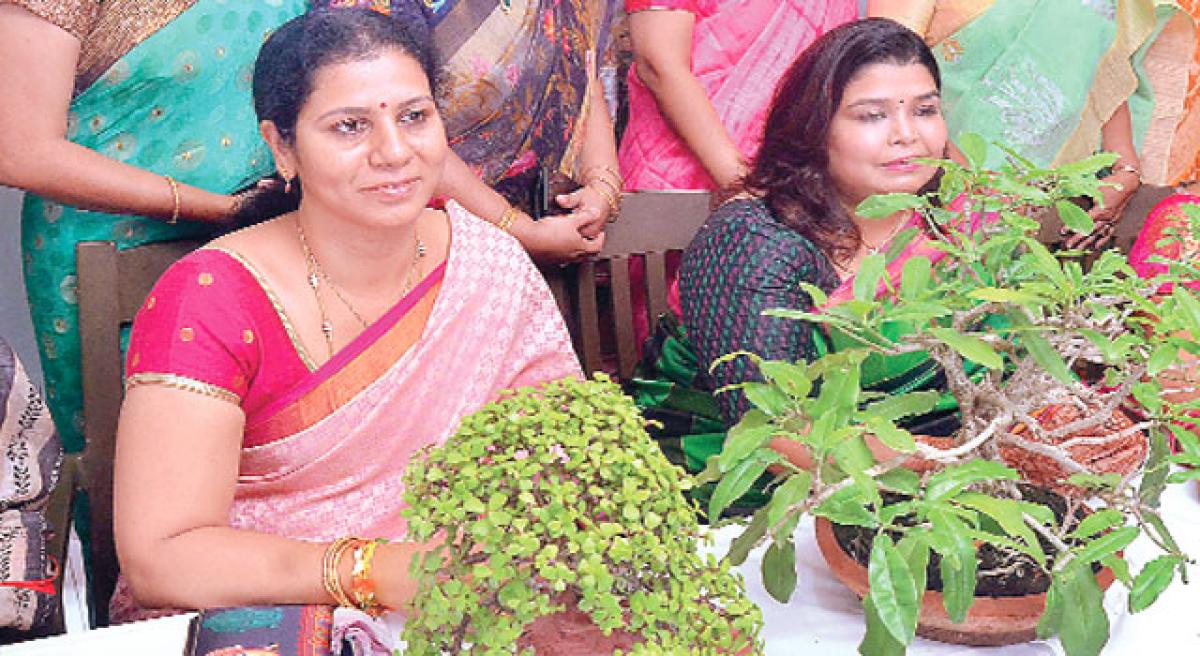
553, 239
176, 470
1117, 137
662, 52
598, 200
37, 73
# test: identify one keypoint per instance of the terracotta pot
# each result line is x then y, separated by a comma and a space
572, 632
991, 621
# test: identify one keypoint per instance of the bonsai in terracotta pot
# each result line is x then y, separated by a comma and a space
565, 532
1054, 368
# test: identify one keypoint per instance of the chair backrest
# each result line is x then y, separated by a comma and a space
651, 224
112, 285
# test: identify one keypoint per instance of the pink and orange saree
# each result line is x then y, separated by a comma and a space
325, 454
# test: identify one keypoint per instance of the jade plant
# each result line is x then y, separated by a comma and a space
1057, 361
556, 496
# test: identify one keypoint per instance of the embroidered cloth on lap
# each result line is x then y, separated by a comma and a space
325, 449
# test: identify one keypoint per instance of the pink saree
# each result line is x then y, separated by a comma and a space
328, 454
739, 51
1167, 214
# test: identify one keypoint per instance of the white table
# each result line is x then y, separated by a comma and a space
825, 617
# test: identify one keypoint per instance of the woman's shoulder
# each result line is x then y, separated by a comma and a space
747, 218
470, 233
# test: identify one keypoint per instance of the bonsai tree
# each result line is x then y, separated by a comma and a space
1056, 370
555, 498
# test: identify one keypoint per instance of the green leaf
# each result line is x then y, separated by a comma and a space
1084, 629
1074, 217
915, 277
1151, 581
953, 479
971, 348
891, 435
791, 492
1008, 514
846, 507
754, 430
893, 590
791, 377
1119, 567
768, 398
816, 294
878, 640
1088, 166
866, 281
1107, 544
1154, 480
1163, 357
881, 206
951, 539
901, 480
740, 548
1101, 520
974, 147
1051, 620
779, 570
900, 406
1045, 355
735, 483
1002, 295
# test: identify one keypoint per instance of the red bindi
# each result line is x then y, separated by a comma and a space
383, 105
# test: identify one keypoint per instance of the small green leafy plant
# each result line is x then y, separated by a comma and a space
1014, 328
559, 492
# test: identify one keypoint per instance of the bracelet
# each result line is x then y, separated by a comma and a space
614, 208
361, 584
508, 218
607, 169
329, 570
174, 196
1128, 168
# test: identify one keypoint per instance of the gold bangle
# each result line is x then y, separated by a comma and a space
1128, 168
613, 206
175, 197
361, 584
329, 570
609, 183
616, 174
508, 218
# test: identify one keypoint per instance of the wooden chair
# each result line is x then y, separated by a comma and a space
112, 286
651, 224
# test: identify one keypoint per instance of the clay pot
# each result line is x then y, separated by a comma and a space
1120, 456
572, 632
991, 621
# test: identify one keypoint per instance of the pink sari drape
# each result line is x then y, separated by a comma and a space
739, 51
493, 325
1167, 214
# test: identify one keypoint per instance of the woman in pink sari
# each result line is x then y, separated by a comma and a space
281, 378
703, 76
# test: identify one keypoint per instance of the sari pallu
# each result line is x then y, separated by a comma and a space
1166, 234
739, 52
323, 467
164, 86
515, 77
1013, 73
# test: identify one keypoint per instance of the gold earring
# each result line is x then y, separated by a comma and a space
287, 185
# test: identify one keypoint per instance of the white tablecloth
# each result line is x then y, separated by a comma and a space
824, 617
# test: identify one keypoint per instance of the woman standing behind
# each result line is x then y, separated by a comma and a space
1057, 80
703, 75
123, 120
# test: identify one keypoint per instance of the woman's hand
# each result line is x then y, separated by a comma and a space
1118, 189
590, 208
556, 239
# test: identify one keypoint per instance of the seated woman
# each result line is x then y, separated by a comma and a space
848, 118
281, 378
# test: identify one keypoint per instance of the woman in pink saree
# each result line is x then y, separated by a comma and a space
281, 378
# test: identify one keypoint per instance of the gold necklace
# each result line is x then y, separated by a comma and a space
874, 249
316, 274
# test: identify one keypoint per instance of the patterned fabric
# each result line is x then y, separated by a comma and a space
515, 77
1167, 215
32, 456
274, 630
177, 104
742, 262
739, 50
493, 326
1013, 74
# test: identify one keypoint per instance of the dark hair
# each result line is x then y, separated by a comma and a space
288, 63
791, 170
